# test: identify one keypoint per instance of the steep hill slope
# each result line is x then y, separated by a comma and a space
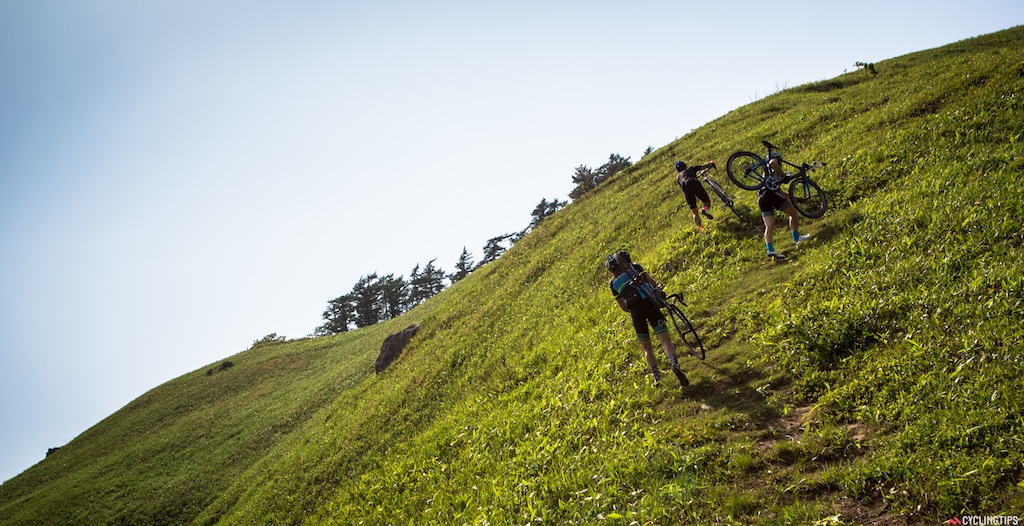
873, 378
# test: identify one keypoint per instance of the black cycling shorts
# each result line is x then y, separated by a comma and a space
771, 200
644, 313
693, 190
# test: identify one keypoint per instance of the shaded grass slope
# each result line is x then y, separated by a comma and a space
873, 378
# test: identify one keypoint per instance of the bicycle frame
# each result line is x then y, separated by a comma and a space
802, 169
717, 188
707, 178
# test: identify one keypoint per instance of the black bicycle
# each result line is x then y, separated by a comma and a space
671, 304
750, 172
718, 190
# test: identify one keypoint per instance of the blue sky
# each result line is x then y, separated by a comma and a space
179, 179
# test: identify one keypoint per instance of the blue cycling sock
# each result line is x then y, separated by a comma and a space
796, 235
770, 247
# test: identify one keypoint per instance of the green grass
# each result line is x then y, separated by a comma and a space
875, 374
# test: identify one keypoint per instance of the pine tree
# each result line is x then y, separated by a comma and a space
367, 301
616, 163
462, 267
432, 279
415, 287
584, 181
494, 248
338, 317
425, 283
543, 210
394, 296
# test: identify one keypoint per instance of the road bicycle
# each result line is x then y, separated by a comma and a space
750, 172
671, 304
719, 191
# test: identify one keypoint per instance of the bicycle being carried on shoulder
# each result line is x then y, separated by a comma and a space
718, 190
671, 304
750, 172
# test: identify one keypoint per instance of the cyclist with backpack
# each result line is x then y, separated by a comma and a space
686, 176
643, 311
770, 198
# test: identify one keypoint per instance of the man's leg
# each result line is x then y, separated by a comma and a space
766, 203
670, 349
769, 228
702, 194
691, 201
652, 361
706, 210
794, 224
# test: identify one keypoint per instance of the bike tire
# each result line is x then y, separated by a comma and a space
686, 331
745, 169
808, 198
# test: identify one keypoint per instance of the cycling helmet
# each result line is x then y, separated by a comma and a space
680, 166
611, 262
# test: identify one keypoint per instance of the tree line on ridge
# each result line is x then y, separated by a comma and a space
375, 298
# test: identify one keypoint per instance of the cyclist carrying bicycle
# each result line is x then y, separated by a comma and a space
770, 198
693, 189
643, 312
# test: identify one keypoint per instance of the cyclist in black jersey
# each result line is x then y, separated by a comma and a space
770, 198
643, 312
693, 189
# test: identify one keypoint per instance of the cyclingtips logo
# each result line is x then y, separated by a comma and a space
984, 520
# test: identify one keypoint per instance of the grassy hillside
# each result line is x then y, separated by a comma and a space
873, 378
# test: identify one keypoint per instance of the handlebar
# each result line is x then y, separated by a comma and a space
678, 297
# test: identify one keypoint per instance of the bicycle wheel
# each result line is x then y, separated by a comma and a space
686, 331
808, 198
746, 170
724, 197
